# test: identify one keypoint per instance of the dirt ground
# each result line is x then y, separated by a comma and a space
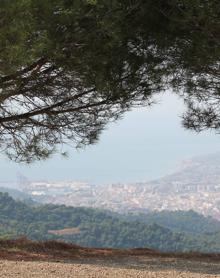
122, 267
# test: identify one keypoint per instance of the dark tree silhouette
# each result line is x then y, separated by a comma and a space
67, 68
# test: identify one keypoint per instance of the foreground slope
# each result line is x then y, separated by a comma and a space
53, 259
135, 268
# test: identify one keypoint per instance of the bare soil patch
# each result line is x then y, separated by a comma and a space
67, 231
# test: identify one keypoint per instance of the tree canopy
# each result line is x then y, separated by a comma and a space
69, 67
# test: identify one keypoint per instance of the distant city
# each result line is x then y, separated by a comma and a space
196, 186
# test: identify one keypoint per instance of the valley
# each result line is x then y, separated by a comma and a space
195, 186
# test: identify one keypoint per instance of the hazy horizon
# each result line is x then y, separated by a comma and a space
146, 144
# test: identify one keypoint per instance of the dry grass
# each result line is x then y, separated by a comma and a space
25, 249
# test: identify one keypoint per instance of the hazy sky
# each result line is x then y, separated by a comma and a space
146, 144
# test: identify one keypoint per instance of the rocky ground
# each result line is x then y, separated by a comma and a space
124, 267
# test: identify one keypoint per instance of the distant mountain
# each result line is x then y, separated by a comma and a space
200, 173
99, 228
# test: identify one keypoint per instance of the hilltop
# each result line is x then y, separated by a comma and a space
23, 258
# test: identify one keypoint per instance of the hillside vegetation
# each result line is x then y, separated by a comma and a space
98, 228
180, 221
